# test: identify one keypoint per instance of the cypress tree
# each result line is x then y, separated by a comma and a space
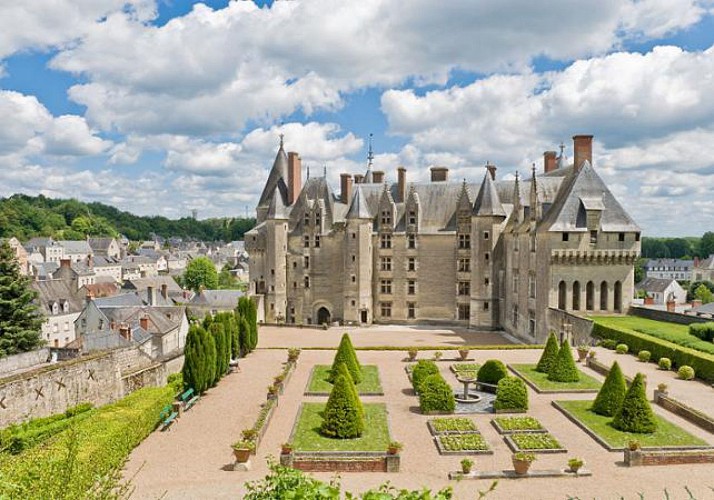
244, 334
191, 364
20, 322
253, 322
209, 350
346, 354
343, 418
207, 320
612, 393
564, 369
635, 414
550, 353
219, 337
235, 342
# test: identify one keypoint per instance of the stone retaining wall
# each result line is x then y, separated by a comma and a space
667, 457
341, 461
23, 361
696, 417
671, 317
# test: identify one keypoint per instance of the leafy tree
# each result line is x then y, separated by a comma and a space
201, 273
612, 393
343, 417
704, 294
564, 369
706, 245
550, 353
346, 354
635, 414
20, 322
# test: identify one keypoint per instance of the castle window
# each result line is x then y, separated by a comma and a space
486, 281
485, 235
306, 241
464, 241
318, 219
317, 241
464, 288
306, 262
386, 309
354, 278
485, 306
411, 310
385, 263
385, 241
412, 217
514, 320
411, 241
307, 281
464, 265
566, 236
411, 264
386, 217
532, 323
593, 237
515, 281
411, 287
294, 284
621, 237
353, 303
354, 235
307, 219
531, 286
272, 272
294, 265
515, 244
464, 312
354, 258
385, 287
272, 288
637, 236
487, 256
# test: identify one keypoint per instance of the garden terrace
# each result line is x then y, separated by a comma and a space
319, 384
539, 382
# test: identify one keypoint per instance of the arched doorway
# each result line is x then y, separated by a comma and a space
323, 316
603, 296
618, 296
562, 295
576, 296
590, 296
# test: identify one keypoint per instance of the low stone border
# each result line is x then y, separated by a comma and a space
511, 474
503, 431
434, 432
514, 447
635, 458
688, 413
444, 452
549, 391
341, 461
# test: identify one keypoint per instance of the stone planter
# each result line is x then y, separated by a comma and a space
464, 353
521, 466
583, 354
242, 455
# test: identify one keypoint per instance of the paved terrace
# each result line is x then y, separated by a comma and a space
188, 461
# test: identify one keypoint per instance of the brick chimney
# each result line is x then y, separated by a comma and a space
151, 295
89, 297
125, 331
345, 188
165, 291
377, 177
294, 176
144, 323
402, 184
65, 263
439, 174
696, 262
491, 170
583, 149
550, 162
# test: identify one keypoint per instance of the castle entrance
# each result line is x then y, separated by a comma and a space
323, 316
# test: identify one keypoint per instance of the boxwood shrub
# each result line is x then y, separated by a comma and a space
511, 394
704, 331
423, 369
685, 372
701, 362
436, 395
492, 371
664, 364
622, 349
644, 356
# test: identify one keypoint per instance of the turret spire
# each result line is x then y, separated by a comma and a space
517, 199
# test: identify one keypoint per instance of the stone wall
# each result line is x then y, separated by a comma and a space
341, 462
672, 317
581, 327
23, 361
668, 457
697, 418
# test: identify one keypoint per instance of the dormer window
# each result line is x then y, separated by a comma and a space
318, 219
412, 217
55, 308
386, 217
65, 306
307, 219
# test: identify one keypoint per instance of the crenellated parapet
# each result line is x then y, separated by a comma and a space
594, 257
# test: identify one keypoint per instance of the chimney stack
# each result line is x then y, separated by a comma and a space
151, 295
377, 177
294, 176
583, 149
439, 174
491, 170
165, 291
65, 263
359, 178
144, 323
402, 184
89, 297
345, 188
125, 331
550, 162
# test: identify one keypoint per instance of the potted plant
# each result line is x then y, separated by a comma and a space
249, 434
466, 465
633, 445
464, 353
522, 462
293, 354
662, 388
286, 448
592, 354
575, 464
438, 355
412, 353
394, 447
278, 381
272, 392
583, 350
242, 450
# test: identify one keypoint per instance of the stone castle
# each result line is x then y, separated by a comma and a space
494, 255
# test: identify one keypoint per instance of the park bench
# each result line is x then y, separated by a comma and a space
188, 399
167, 417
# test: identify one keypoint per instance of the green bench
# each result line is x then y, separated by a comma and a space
167, 417
188, 399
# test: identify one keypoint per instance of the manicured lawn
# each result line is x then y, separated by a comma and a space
307, 435
540, 380
671, 332
370, 380
667, 433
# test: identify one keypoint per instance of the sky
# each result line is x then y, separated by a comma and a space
165, 106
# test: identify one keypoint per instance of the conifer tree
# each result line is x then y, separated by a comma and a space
219, 337
235, 341
191, 363
564, 369
20, 322
209, 352
612, 393
244, 336
550, 353
342, 417
342, 370
346, 354
635, 414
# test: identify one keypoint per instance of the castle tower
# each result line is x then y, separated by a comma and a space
276, 223
277, 183
358, 261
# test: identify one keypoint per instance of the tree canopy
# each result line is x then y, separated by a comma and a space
200, 273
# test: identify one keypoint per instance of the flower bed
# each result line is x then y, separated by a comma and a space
508, 425
462, 444
455, 425
538, 442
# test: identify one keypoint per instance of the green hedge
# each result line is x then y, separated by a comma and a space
423, 369
492, 371
702, 362
436, 395
703, 331
511, 394
74, 463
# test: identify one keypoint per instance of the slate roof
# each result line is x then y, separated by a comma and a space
707, 263
220, 299
654, 285
74, 246
51, 291
487, 202
358, 208
277, 209
100, 244
277, 179
705, 309
155, 281
670, 264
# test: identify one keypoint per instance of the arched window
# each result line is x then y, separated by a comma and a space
590, 296
618, 296
603, 296
562, 295
576, 296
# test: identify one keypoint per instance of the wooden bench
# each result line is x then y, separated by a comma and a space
167, 417
188, 399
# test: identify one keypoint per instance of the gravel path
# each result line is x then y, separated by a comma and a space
187, 462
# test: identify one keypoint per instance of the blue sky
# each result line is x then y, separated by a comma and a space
160, 107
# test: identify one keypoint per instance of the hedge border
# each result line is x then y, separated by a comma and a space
490, 347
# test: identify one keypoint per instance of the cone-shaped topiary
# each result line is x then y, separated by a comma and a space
635, 414
511, 394
492, 371
550, 353
346, 354
343, 416
612, 393
436, 395
564, 369
421, 371
342, 370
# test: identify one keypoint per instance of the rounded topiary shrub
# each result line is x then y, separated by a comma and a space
550, 352
421, 371
635, 414
346, 354
564, 369
492, 371
436, 395
612, 393
685, 372
664, 364
343, 417
622, 349
511, 395
644, 356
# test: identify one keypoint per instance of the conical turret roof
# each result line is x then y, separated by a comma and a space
277, 209
487, 202
277, 179
358, 207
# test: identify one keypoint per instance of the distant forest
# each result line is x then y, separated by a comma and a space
25, 217
678, 248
